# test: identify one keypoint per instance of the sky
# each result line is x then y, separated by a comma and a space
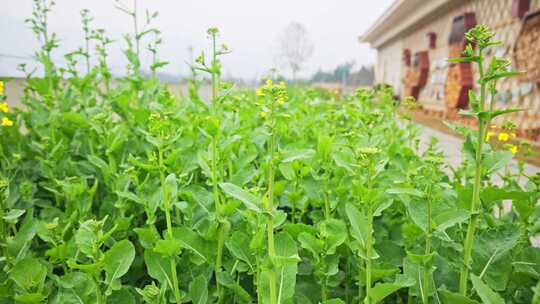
250, 28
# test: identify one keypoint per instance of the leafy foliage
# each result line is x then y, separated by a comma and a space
121, 192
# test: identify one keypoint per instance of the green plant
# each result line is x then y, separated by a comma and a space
127, 193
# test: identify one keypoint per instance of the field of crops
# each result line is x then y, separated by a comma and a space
127, 193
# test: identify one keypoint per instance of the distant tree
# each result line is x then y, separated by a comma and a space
296, 46
345, 75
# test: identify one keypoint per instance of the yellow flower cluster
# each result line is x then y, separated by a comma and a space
4, 107
6, 122
277, 92
508, 131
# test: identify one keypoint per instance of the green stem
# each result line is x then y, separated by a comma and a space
167, 205
427, 277
215, 179
475, 204
270, 221
99, 295
324, 289
369, 253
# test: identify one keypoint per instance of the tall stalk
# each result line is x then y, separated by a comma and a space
270, 221
369, 253
475, 204
167, 206
369, 238
426, 283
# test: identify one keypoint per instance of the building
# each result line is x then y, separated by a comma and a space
414, 38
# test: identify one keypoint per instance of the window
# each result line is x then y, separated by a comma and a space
432, 40
407, 57
520, 8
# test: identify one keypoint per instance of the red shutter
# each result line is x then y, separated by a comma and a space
432, 40
520, 8
407, 57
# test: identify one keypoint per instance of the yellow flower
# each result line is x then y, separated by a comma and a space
281, 101
513, 135
4, 107
513, 149
260, 92
6, 122
268, 82
282, 84
489, 135
503, 136
1, 87
263, 114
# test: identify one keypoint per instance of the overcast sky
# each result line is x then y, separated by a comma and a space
249, 27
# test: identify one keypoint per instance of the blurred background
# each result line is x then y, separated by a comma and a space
255, 31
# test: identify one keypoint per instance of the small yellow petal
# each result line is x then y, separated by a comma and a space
513, 149
503, 136
6, 122
263, 114
269, 82
4, 107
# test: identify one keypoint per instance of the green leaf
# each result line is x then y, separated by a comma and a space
485, 293
198, 290
405, 191
192, 241
344, 159
296, 155
148, 236
250, 201
496, 113
463, 59
383, 290
500, 75
117, 260
225, 279
496, 160
311, 243
13, 215
170, 190
449, 218
238, 245
359, 223
30, 298
455, 298
287, 171
158, 267
168, 248
28, 273
333, 301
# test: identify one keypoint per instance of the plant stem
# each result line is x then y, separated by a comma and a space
167, 207
324, 289
214, 107
475, 204
369, 253
427, 277
270, 221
